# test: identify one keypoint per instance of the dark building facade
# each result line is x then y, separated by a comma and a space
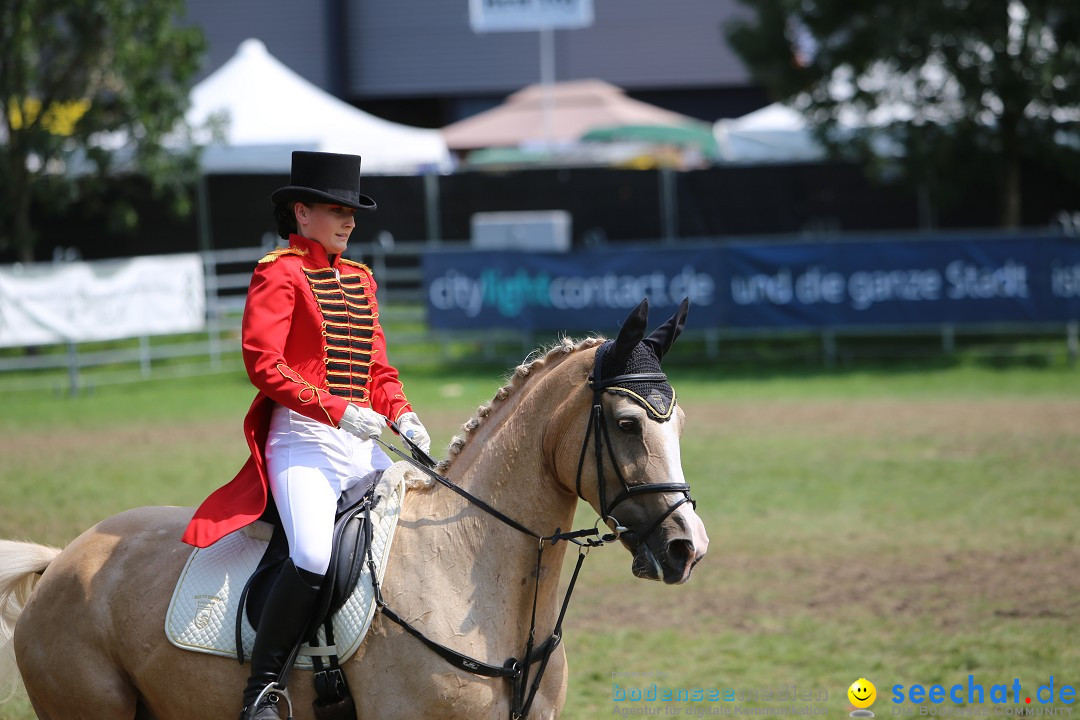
419, 61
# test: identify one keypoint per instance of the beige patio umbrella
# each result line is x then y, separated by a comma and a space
573, 108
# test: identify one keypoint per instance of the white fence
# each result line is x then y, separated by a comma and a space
213, 349
74, 366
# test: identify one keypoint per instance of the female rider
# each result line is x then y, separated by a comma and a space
314, 349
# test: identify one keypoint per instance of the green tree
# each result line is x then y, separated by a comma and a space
88, 89
940, 92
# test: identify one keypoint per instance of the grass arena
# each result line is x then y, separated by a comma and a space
911, 527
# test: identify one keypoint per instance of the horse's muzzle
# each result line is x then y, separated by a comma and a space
673, 550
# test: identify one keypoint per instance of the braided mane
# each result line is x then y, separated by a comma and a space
538, 359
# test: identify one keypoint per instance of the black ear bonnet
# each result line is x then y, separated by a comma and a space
630, 364
655, 395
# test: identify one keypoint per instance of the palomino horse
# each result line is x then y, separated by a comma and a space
86, 623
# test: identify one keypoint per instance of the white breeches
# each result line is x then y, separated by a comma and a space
309, 465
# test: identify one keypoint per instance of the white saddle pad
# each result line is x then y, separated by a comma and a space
202, 612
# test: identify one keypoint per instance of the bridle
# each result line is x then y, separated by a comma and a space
598, 430
518, 671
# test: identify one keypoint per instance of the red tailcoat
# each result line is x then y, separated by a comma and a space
313, 343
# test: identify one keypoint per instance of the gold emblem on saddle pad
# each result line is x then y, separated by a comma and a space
205, 612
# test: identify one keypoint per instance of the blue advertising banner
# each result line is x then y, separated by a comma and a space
804, 285
902, 283
564, 291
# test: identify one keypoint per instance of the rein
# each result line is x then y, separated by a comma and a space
515, 670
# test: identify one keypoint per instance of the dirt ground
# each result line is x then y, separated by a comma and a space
951, 588
952, 591
1017, 418
960, 420
113, 439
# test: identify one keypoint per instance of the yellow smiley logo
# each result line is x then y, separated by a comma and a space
862, 693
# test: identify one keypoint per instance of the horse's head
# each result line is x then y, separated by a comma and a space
630, 468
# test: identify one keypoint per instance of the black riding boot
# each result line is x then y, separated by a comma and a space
284, 618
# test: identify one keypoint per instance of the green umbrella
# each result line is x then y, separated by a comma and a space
687, 136
506, 156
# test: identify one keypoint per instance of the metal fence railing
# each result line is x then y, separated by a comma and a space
75, 366
71, 367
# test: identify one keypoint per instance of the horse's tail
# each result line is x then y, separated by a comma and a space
21, 565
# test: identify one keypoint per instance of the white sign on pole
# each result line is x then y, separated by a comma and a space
101, 300
509, 15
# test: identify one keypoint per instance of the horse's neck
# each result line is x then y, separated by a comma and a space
503, 464
506, 461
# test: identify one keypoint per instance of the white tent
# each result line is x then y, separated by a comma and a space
779, 134
775, 133
271, 111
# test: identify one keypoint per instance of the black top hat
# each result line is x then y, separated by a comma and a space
325, 178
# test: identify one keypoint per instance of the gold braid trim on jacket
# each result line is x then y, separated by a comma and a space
360, 265
275, 254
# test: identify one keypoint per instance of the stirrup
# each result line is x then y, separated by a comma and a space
273, 689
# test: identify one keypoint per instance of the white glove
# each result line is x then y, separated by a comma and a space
412, 428
362, 422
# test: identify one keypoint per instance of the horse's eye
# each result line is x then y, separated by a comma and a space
629, 425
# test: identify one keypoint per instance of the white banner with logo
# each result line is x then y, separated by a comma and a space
101, 300
511, 15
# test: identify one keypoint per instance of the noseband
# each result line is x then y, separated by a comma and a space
598, 430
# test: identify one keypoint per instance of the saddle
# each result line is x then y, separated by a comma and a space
352, 534
352, 537
202, 612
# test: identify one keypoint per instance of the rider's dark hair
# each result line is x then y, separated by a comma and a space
285, 217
